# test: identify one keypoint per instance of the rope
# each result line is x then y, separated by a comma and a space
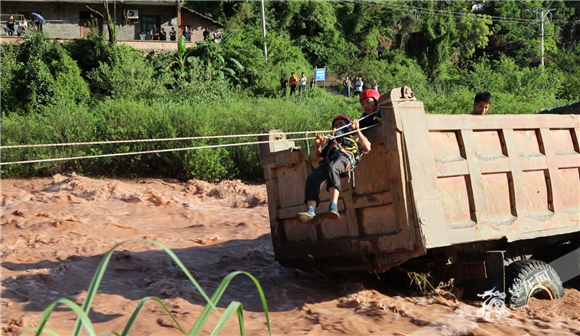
351, 132
144, 152
330, 136
177, 139
149, 140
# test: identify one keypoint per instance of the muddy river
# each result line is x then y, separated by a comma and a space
55, 232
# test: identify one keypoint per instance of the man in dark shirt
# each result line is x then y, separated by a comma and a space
187, 33
10, 23
284, 83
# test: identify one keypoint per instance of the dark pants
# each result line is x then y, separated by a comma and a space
301, 88
331, 174
283, 92
293, 89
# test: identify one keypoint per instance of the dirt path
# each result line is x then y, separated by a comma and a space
55, 231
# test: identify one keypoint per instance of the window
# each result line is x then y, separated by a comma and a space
148, 23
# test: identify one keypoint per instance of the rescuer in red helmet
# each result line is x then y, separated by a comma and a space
340, 153
369, 101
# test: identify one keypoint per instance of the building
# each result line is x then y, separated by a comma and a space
73, 19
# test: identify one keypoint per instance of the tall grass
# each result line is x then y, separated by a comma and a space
82, 312
123, 119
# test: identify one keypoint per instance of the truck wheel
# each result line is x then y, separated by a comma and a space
529, 279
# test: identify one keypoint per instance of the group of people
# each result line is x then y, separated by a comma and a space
293, 82
12, 27
341, 152
157, 34
357, 84
208, 35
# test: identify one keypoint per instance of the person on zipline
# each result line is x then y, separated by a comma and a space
340, 155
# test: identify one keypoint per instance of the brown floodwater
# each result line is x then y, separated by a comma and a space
56, 231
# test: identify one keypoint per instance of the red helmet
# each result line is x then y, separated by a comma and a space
341, 116
370, 93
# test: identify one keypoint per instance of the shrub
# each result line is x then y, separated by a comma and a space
568, 61
41, 74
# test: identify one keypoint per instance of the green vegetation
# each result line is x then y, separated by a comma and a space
83, 320
91, 90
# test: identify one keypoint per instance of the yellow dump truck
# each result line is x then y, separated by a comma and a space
492, 198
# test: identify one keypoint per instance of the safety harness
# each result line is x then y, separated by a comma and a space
347, 146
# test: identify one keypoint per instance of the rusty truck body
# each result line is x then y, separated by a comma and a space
466, 193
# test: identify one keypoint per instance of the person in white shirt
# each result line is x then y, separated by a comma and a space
358, 86
22, 26
303, 81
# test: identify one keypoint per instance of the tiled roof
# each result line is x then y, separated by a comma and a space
119, 2
199, 14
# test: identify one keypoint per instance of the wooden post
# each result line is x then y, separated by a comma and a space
178, 16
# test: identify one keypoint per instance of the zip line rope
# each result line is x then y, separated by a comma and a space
146, 152
330, 136
151, 140
173, 139
163, 150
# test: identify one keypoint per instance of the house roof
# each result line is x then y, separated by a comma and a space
121, 2
201, 15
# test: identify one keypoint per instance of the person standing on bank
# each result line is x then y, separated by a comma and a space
347, 84
293, 81
284, 85
303, 81
340, 155
481, 103
162, 35
172, 34
375, 85
358, 86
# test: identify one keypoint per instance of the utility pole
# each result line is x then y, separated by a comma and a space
264, 30
543, 16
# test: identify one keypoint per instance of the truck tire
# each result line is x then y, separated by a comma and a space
530, 278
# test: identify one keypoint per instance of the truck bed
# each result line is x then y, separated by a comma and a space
430, 181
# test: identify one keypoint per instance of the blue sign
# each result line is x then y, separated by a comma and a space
320, 74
